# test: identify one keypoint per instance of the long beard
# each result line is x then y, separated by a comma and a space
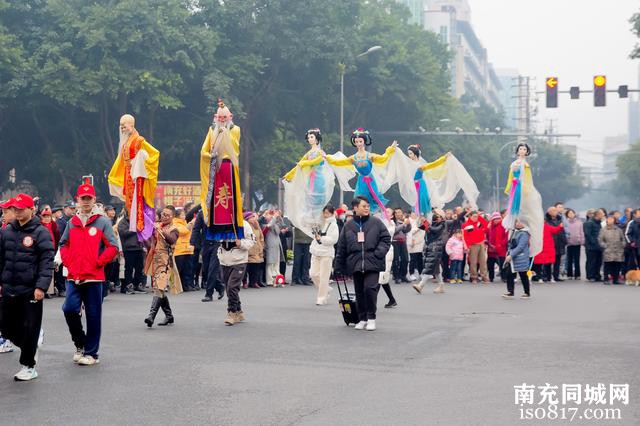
218, 125
124, 137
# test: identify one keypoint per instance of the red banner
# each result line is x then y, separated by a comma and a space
176, 194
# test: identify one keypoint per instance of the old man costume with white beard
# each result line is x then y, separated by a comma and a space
220, 194
134, 176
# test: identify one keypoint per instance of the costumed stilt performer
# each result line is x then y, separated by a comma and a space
134, 176
376, 173
525, 202
438, 182
161, 266
308, 187
220, 194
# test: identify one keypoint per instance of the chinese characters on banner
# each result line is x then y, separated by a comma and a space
176, 193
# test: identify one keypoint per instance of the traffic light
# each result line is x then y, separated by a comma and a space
599, 90
552, 92
574, 92
623, 91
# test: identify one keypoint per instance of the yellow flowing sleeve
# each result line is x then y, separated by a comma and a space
116, 177
303, 163
507, 189
440, 161
527, 184
382, 159
151, 164
340, 162
235, 139
205, 163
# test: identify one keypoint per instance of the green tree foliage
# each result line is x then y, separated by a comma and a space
629, 173
70, 68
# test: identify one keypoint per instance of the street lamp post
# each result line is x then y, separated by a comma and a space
342, 69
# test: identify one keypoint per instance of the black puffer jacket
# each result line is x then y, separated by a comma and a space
435, 242
559, 239
199, 231
26, 258
352, 256
128, 239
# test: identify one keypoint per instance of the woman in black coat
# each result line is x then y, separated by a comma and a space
436, 238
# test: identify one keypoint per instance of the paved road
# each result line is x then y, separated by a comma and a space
449, 359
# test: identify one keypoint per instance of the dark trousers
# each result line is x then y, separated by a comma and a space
89, 295
59, 281
211, 268
524, 278
366, 287
491, 266
612, 271
21, 323
594, 264
446, 267
416, 263
400, 261
254, 272
133, 269
556, 267
232, 277
630, 261
112, 272
301, 263
456, 269
184, 263
388, 292
196, 267
573, 261
543, 272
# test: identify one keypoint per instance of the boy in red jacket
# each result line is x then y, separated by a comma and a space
474, 230
87, 245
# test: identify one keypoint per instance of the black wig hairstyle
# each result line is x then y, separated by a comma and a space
416, 149
316, 133
361, 133
526, 146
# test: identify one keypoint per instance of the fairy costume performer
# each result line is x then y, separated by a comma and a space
525, 202
372, 170
438, 182
134, 176
220, 194
308, 187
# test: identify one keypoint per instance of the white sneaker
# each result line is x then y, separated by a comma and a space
79, 353
88, 360
26, 374
361, 325
371, 325
6, 346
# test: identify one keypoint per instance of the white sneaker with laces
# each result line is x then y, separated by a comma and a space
26, 374
6, 346
361, 325
79, 353
88, 360
371, 325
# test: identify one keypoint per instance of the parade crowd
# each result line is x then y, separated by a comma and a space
84, 250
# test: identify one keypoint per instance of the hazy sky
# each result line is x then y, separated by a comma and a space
573, 40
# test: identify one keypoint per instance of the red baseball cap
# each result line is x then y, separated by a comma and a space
86, 189
7, 204
23, 201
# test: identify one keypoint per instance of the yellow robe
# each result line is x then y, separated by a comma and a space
205, 164
118, 170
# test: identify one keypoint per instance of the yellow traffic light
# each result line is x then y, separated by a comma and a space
599, 80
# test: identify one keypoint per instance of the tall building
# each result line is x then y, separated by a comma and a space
508, 78
471, 72
415, 7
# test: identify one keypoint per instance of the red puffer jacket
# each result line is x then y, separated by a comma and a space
475, 232
497, 240
86, 249
548, 253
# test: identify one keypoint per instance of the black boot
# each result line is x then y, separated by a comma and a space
168, 316
155, 305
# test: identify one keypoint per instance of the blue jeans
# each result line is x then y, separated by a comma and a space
89, 294
456, 269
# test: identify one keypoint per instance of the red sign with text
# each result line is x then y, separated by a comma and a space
176, 194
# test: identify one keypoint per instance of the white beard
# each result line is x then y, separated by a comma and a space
124, 137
